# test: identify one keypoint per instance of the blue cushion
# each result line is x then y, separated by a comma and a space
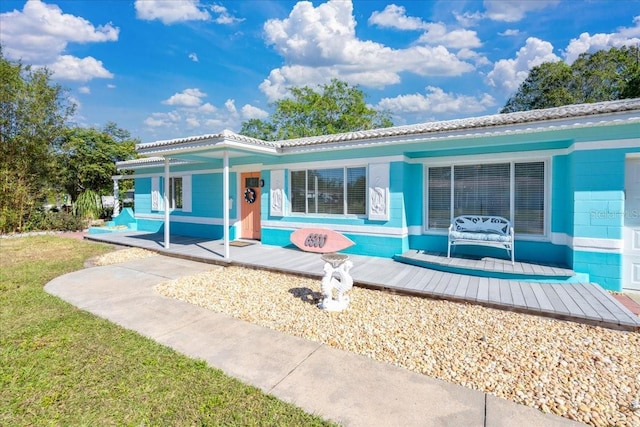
491, 236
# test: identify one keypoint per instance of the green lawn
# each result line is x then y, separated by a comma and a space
63, 366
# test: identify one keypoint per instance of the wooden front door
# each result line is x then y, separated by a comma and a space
631, 256
250, 205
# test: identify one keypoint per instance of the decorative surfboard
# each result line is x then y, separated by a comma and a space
320, 240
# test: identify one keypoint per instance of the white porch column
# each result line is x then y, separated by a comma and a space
167, 206
225, 202
116, 195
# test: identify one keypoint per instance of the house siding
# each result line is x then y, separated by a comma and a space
584, 203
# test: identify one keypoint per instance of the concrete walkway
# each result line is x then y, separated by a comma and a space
349, 389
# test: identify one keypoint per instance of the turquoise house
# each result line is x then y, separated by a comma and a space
567, 178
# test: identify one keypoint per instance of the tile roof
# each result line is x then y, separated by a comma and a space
147, 162
495, 120
481, 122
225, 135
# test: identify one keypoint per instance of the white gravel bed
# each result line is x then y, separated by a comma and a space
121, 255
580, 372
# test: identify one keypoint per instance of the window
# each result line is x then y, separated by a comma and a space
482, 190
439, 197
175, 192
329, 191
529, 198
515, 191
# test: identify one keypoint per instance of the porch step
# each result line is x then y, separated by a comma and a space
492, 267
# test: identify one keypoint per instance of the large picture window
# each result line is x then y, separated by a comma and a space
514, 190
329, 191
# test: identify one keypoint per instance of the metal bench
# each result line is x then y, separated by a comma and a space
481, 230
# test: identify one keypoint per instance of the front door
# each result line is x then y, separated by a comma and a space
631, 255
250, 205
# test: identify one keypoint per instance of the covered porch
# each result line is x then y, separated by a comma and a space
569, 300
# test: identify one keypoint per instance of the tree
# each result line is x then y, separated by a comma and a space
605, 75
87, 158
33, 114
336, 107
547, 85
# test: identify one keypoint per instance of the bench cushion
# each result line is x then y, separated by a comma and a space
485, 236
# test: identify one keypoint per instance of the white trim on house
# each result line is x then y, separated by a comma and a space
591, 244
327, 165
202, 220
473, 159
607, 144
510, 158
369, 230
337, 163
588, 244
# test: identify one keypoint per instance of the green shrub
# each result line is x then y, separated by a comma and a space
41, 220
88, 205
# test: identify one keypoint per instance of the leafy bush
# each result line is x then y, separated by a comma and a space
42, 220
106, 213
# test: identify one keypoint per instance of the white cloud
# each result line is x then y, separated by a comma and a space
84, 90
471, 55
40, 33
192, 122
186, 98
436, 33
224, 17
171, 11
509, 33
436, 101
74, 100
190, 113
69, 67
507, 74
251, 112
154, 122
625, 36
319, 43
163, 119
394, 16
193, 57
514, 10
111, 86
230, 105
207, 108
468, 19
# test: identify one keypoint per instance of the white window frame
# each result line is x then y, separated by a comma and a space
345, 193
545, 236
158, 190
172, 193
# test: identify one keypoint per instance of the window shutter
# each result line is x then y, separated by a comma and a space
379, 192
155, 194
186, 194
276, 193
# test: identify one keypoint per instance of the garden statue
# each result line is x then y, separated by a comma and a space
336, 268
336, 276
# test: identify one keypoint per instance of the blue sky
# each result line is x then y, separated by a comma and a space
165, 69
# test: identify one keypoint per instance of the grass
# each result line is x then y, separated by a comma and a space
63, 366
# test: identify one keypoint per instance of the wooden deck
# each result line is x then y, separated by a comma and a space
580, 302
489, 267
